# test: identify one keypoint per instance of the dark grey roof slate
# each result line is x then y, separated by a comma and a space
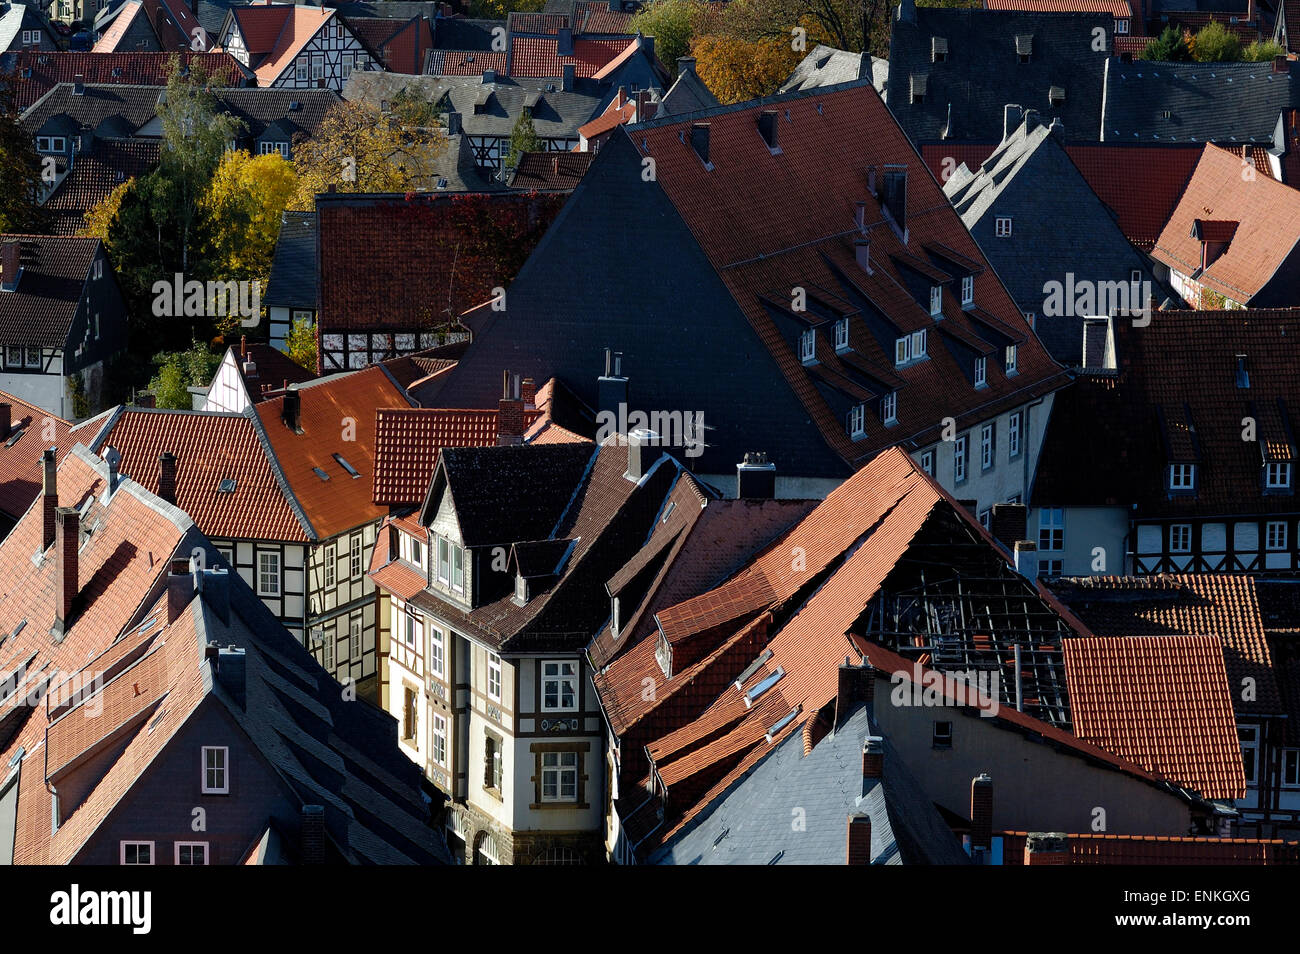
826, 66
293, 277
983, 73
463, 34
1199, 102
751, 823
687, 95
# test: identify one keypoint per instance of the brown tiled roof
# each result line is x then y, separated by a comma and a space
337, 420
1092, 848
1268, 214
36, 73
95, 174
1106, 440
274, 368
1221, 605
769, 223
551, 170
278, 32
536, 56
55, 270
407, 442
20, 459
210, 449
1161, 701
464, 62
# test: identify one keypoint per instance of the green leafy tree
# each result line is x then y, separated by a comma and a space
672, 23
301, 343
180, 370
1262, 51
1214, 44
1169, 47
20, 171
523, 138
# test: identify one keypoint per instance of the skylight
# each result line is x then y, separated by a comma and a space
15, 437
767, 683
352, 471
227, 485
320, 473
781, 723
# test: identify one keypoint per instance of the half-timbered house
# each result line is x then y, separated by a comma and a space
294, 45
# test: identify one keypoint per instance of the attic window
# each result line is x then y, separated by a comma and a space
15, 437
781, 723
808, 346
668, 511
227, 485
352, 471
1277, 475
762, 686
320, 473
294, 106
1056, 96
1024, 46
938, 49
1243, 375
919, 83
1182, 476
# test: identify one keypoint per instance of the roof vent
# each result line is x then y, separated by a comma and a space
767, 127
1024, 46
294, 105
227, 485
700, 142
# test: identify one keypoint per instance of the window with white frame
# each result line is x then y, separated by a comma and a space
559, 685
494, 677
1011, 359
841, 334
413, 628
416, 550
927, 462
902, 350
1291, 768
1275, 535
1121, 26
1014, 423
216, 770
191, 852
458, 569
959, 460
331, 565
857, 420
300, 69
327, 647
986, 446
1277, 475
1248, 735
354, 638
981, 371
968, 290
137, 853
355, 556
1002, 226
559, 776
1182, 476
1051, 528
268, 573
437, 652
889, 408
918, 345
807, 346
936, 299
1030, 318
984, 518
440, 739
444, 560
345, 63
97, 271
317, 66
31, 357
1180, 538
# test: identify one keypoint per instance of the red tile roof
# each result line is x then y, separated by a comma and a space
129, 69
278, 32
1161, 701
595, 16
20, 461
1118, 8
209, 448
274, 369
407, 442
1269, 217
96, 173
769, 223
537, 57
110, 38
1222, 605
337, 418
1091, 848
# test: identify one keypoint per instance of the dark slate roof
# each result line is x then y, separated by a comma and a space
95, 174
687, 94
211, 14
982, 72
1059, 228
558, 115
1206, 102
54, 274
826, 66
750, 823
293, 279
259, 108
457, 33
35, 73
504, 494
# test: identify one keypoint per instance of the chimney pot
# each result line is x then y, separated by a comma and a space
981, 813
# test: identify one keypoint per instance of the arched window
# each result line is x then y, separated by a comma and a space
485, 850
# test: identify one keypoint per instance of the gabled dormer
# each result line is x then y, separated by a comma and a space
924, 281
1182, 450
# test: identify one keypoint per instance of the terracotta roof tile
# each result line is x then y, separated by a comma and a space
20, 461
536, 56
35, 73
1091, 848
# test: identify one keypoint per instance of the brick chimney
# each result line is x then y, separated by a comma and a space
857, 686
1007, 523
510, 413
312, 836
291, 413
167, 476
10, 265
67, 543
528, 391
6, 420
873, 759
49, 497
1047, 848
1280, 64
981, 813
858, 841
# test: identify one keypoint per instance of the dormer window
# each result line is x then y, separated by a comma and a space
1002, 226
842, 335
1182, 476
938, 49
1024, 47
858, 421
889, 408
902, 350
1277, 475
1011, 359
936, 299
1121, 26
1056, 96
808, 346
918, 345
919, 83
968, 290
981, 372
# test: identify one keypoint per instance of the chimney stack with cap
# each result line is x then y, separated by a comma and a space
859, 840
755, 477
1026, 554
167, 476
11, 263
1047, 848
612, 387
49, 497
180, 587
510, 412
528, 391
291, 413
638, 457
981, 814
67, 545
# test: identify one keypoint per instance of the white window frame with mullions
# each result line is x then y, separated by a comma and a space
858, 421
199, 848
889, 408
1180, 538
1002, 226
842, 335
137, 845
968, 290
215, 777
808, 346
560, 685
959, 459
936, 300
268, 578
981, 372
1277, 475
494, 677
1051, 529
1275, 534
987, 435
1182, 476
560, 776
1014, 424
